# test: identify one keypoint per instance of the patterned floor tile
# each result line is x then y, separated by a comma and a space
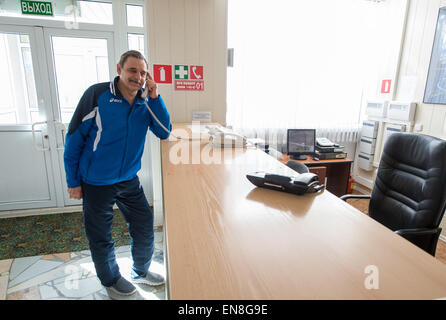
63, 256
21, 264
71, 276
38, 268
5, 266
31, 293
77, 288
3, 286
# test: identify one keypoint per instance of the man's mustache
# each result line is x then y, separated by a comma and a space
139, 83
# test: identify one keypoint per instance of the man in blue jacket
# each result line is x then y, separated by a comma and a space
103, 150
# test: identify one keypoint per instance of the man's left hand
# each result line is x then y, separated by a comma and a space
152, 86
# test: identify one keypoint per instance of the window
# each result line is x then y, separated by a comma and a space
136, 42
81, 10
305, 66
19, 98
85, 60
134, 16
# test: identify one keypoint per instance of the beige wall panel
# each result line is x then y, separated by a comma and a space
207, 54
407, 45
426, 49
424, 115
417, 32
392, 24
220, 44
438, 121
159, 49
191, 32
159, 30
177, 45
192, 50
416, 53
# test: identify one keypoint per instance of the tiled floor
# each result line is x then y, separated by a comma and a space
72, 276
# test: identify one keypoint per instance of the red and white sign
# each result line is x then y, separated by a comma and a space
385, 86
196, 72
193, 85
162, 73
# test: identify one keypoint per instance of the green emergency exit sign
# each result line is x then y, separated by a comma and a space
41, 8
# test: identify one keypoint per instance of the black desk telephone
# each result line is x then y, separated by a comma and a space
303, 183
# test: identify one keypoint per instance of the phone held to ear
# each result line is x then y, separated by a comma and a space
145, 93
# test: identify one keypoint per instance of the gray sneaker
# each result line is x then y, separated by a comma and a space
151, 279
122, 287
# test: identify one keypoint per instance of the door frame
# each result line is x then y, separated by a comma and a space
45, 81
58, 127
43, 68
43, 101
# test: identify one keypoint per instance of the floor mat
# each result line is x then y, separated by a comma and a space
48, 234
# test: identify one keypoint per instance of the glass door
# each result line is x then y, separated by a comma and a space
76, 60
45, 72
27, 172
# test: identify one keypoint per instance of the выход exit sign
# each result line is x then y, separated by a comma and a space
42, 8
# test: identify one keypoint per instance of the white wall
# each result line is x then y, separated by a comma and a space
420, 32
191, 32
415, 60
412, 69
394, 14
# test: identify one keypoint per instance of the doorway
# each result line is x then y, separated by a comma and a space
46, 70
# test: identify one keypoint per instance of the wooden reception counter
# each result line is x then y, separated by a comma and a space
227, 239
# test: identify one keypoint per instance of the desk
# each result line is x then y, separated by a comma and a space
227, 239
338, 172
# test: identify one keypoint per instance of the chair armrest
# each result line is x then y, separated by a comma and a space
417, 232
423, 238
355, 196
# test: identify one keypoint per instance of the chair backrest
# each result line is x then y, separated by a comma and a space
297, 166
410, 187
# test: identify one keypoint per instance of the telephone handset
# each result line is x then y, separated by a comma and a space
324, 142
303, 183
145, 93
223, 138
194, 68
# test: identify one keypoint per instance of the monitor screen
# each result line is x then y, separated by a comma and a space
301, 142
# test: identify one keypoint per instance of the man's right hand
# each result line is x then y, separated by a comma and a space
75, 193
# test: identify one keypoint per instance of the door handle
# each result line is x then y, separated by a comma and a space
38, 148
62, 127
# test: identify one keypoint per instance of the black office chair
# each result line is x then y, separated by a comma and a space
409, 195
297, 166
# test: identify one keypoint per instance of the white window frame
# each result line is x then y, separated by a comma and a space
121, 34
119, 26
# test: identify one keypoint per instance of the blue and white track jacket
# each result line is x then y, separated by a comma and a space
105, 139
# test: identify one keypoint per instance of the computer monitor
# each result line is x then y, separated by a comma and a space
300, 142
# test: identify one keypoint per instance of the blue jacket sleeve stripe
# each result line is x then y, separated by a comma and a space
74, 144
77, 133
